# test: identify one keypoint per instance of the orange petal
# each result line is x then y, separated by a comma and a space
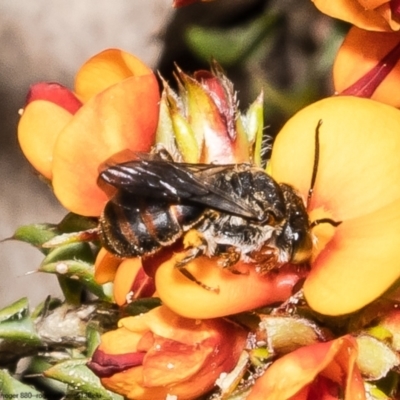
38, 129
356, 13
105, 267
122, 117
290, 374
106, 69
120, 341
361, 52
236, 292
125, 278
165, 323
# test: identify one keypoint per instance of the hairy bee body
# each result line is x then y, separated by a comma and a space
237, 211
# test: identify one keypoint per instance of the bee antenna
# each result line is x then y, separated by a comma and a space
325, 221
316, 161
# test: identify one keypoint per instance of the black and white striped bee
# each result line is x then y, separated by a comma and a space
236, 212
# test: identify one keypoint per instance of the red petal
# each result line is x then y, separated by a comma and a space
55, 93
105, 365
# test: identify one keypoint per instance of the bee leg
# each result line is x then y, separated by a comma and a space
192, 278
266, 259
189, 255
229, 258
196, 246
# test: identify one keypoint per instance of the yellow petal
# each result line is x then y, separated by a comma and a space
359, 166
357, 183
358, 264
38, 129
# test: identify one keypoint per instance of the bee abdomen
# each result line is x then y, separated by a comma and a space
145, 227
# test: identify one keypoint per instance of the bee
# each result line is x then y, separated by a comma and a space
234, 211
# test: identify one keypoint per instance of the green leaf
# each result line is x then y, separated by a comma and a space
142, 306
90, 235
79, 377
77, 223
15, 311
70, 251
15, 323
14, 389
23, 330
36, 234
80, 271
230, 46
36, 368
70, 281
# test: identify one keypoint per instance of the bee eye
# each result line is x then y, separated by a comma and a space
302, 247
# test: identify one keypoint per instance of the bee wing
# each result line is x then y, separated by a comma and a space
176, 182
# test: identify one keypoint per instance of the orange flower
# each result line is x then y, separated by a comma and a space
67, 143
357, 184
322, 370
128, 276
159, 353
375, 15
367, 66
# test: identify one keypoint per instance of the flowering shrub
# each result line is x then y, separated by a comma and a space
160, 328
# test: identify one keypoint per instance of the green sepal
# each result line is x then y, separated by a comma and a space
79, 378
375, 358
13, 388
241, 144
380, 332
259, 356
76, 223
254, 127
92, 337
286, 334
165, 131
185, 139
